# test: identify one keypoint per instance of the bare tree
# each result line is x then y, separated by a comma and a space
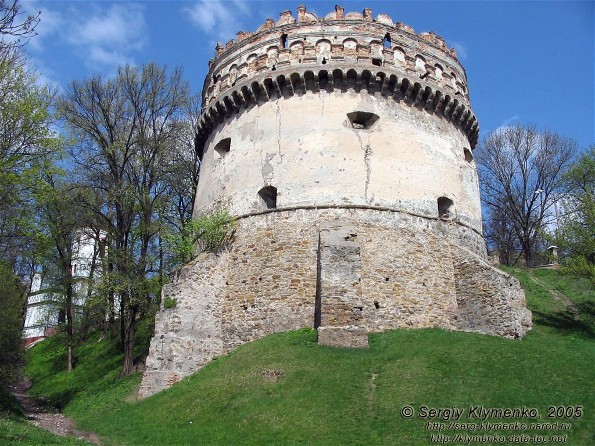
181, 180
520, 169
500, 235
127, 128
15, 28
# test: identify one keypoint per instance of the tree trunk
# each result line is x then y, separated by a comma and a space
129, 341
69, 331
528, 253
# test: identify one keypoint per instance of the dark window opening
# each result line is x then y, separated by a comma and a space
284, 42
268, 194
223, 146
468, 155
324, 61
445, 208
362, 120
377, 61
386, 41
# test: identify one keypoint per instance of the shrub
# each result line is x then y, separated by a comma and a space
208, 233
212, 231
169, 302
581, 267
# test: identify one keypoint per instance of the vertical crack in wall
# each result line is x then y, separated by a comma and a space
367, 155
318, 301
367, 161
278, 115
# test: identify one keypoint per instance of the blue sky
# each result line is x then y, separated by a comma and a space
526, 61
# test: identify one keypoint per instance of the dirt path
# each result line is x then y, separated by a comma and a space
557, 296
53, 422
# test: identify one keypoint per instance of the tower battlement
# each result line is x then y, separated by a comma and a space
338, 52
343, 147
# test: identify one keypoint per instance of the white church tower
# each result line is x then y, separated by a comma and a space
44, 301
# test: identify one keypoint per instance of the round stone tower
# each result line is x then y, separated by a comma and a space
345, 112
343, 146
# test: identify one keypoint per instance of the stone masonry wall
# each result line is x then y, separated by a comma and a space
409, 279
188, 335
489, 300
346, 272
272, 278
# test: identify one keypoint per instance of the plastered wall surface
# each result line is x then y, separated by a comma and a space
307, 148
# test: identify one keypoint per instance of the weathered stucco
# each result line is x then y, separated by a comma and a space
343, 146
307, 149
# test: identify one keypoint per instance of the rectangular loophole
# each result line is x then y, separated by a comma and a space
362, 120
223, 147
268, 196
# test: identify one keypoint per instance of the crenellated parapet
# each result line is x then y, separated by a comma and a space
335, 53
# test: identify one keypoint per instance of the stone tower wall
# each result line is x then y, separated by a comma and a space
343, 146
347, 272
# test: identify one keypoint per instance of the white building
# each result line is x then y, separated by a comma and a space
44, 303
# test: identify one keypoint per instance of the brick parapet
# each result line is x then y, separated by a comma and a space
286, 58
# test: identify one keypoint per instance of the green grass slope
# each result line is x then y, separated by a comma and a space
286, 389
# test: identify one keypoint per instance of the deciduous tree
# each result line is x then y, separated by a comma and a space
576, 233
12, 298
520, 170
127, 128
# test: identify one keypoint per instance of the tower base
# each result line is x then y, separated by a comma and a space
346, 272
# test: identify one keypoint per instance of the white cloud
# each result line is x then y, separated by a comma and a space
46, 77
108, 37
218, 19
102, 36
50, 22
119, 25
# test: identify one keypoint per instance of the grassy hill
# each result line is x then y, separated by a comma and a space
286, 389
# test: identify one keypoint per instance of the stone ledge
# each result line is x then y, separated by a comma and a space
352, 337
